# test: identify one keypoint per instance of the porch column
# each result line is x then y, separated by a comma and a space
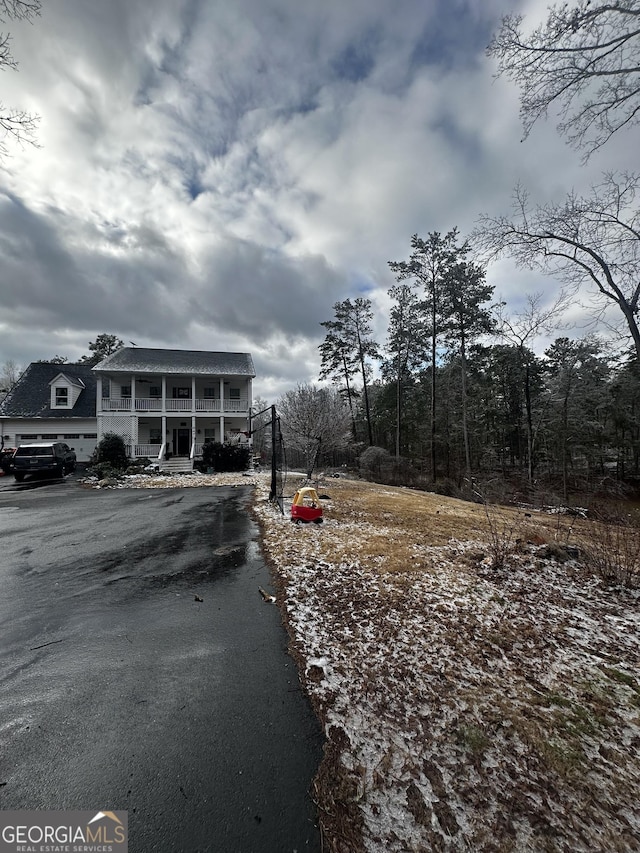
193, 393
99, 407
221, 410
194, 436
164, 427
134, 419
164, 394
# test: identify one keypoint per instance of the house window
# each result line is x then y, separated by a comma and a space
234, 393
90, 435
27, 437
209, 393
155, 390
209, 435
62, 396
72, 435
48, 436
181, 393
125, 390
155, 435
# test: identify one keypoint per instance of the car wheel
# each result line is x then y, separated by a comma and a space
60, 471
19, 476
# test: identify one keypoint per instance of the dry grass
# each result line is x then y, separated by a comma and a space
470, 703
392, 526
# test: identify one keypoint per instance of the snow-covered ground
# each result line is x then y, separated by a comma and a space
466, 708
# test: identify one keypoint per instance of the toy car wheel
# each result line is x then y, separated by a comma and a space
318, 520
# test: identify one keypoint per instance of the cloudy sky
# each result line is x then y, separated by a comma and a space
216, 174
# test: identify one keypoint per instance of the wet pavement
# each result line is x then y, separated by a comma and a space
121, 689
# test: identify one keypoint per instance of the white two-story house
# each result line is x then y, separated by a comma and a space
168, 403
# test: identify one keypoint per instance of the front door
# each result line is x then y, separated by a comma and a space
182, 441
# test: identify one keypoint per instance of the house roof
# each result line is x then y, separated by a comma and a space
30, 397
173, 361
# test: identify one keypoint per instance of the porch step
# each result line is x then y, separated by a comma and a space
176, 465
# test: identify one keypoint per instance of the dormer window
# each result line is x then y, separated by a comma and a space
65, 391
62, 397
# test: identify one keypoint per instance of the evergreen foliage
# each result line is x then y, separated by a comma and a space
226, 457
111, 451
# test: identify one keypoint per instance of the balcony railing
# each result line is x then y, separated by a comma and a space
153, 404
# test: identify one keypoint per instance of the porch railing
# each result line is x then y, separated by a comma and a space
145, 451
152, 404
116, 404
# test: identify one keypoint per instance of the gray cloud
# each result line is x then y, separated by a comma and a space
217, 175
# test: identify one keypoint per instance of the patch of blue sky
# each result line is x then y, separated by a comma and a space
308, 104
460, 141
361, 286
190, 172
354, 63
456, 36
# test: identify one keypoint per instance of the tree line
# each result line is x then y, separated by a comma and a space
461, 390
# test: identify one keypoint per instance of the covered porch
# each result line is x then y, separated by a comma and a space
163, 438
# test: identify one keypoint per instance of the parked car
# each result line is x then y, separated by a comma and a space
54, 457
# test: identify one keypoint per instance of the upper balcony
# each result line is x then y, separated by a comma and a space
192, 405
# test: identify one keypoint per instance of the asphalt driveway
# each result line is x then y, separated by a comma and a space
121, 689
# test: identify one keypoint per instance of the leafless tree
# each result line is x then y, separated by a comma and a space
16, 124
584, 60
590, 243
314, 420
260, 419
9, 374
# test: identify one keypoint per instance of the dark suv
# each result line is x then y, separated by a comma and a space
54, 457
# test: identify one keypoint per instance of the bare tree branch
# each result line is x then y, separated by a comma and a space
15, 124
591, 243
585, 60
19, 10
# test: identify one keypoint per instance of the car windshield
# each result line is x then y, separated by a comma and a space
34, 451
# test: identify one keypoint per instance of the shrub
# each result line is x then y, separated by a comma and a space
110, 451
104, 471
375, 462
226, 457
612, 551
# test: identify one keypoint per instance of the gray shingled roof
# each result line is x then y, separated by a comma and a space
30, 397
174, 361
